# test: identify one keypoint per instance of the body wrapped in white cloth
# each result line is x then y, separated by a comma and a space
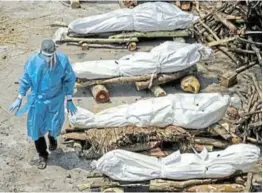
168, 57
193, 111
152, 16
128, 166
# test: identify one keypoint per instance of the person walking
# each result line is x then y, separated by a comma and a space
50, 76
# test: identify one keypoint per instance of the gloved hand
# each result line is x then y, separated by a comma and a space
15, 104
71, 107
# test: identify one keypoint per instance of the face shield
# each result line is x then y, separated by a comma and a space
48, 52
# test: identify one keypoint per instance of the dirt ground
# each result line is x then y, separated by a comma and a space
23, 25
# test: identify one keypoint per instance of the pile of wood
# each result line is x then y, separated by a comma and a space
151, 81
96, 142
238, 182
235, 29
248, 124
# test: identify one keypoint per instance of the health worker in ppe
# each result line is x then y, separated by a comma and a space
50, 76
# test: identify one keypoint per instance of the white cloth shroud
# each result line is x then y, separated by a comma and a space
168, 57
152, 16
129, 166
193, 111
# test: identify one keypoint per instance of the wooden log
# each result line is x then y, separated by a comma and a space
216, 188
252, 140
59, 24
75, 4
86, 46
230, 78
252, 32
252, 75
78, 148
242, 51
258, 53
94, 175
156, 152
249, 182
221, 41
100, 93
209, 38
132, 46
113, 190
211, 141
239, 180
227, 52
79, 136
180, 40
256, 50
158, 91
227, 23
123, 79
249, 41
98, 40
217, 128
98, 182
232, 17
209, 30
162, 79
159, 185
190, 84
186, 5
167, 34
128, 3
200, 148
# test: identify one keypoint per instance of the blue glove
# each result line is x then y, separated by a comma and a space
15, 104
71, 107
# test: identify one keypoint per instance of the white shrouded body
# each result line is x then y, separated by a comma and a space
128, 166
166, 58
152, 16
193, 111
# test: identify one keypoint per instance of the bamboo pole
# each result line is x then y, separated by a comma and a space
86, 46
177, 33
99, 40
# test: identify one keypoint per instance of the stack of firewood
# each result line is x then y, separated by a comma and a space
249, 124
235, 183
235, 29
101, 94
93, 143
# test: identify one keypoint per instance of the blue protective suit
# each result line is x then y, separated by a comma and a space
48, 90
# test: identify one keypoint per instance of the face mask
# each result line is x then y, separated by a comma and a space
50, 60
